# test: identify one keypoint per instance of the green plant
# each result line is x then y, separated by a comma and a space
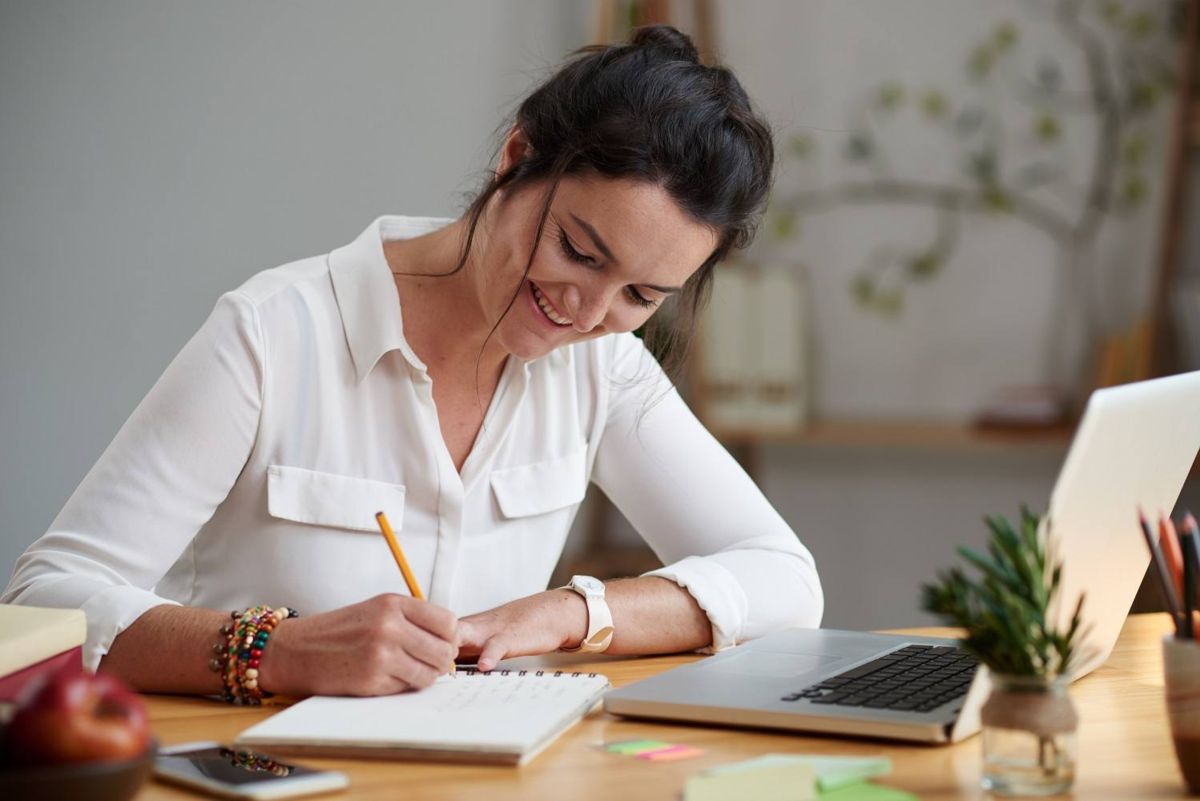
1008, 612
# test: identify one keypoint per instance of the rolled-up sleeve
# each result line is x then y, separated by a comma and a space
714, 530
162, 477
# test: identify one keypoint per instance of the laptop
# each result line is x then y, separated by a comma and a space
1134, 447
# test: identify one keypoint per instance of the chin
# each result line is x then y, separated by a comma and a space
529, 351
516, 339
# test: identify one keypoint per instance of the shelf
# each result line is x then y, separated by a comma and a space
905, 435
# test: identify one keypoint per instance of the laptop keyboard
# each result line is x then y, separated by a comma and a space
917, 678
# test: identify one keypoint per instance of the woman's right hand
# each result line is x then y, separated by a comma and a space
381, 646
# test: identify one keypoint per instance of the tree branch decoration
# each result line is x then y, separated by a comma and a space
1127, 75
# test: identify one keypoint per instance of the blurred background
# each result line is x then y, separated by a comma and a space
983, 211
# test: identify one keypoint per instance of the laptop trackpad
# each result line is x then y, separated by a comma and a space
766, 663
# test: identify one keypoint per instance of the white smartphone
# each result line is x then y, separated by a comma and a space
240, 773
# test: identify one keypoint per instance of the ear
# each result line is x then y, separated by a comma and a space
515, 148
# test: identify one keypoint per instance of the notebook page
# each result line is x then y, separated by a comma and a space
468, 712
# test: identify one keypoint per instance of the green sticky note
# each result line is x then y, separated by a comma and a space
838, 771
634, 747
866, 791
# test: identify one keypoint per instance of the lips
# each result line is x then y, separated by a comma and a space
545, 309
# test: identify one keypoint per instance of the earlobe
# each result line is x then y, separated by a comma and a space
516, 147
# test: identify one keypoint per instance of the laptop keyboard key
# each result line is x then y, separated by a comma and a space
853, 700
865, 670
832, 698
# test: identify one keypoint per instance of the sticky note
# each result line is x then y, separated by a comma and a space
796, 777
779, 782
867, 791
671, 754
635, 747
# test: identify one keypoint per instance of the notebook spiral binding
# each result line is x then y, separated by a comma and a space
478, 672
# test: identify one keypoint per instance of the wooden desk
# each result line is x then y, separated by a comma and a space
1125, 749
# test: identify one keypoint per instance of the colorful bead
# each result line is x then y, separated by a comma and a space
243, 650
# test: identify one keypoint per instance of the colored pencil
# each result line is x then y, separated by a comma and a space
1168, 543
1190, 530
1164, 575
1189, 587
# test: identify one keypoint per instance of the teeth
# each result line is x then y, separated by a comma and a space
545, 306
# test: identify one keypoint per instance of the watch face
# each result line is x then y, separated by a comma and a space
587, 583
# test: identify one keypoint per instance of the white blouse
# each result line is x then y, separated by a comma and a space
252, 471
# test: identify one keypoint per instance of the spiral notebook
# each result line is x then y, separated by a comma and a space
501, 717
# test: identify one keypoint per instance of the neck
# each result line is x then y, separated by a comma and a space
444, 319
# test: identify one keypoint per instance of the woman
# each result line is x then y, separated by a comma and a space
468, 377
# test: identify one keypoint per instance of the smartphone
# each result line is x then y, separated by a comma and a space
241, 773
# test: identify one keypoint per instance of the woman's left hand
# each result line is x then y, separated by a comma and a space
529, 626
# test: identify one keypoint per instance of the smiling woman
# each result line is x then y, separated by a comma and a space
469, 378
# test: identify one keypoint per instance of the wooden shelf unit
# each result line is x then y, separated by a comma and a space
908, 435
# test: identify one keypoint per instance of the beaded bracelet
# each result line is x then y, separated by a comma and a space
255, 763
245, 640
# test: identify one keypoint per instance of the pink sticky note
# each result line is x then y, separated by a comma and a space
672, 753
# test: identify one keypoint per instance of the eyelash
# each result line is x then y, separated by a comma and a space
575, 256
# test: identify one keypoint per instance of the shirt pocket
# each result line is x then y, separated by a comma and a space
541, 487
328, 499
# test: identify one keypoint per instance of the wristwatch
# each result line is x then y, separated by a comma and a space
600, 625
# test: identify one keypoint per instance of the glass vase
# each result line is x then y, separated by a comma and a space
1029, 736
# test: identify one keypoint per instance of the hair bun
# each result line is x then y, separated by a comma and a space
668, 39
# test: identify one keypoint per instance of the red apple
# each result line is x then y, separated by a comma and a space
78, 717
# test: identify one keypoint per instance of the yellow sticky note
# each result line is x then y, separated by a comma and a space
771, 782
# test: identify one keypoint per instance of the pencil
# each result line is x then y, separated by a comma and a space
413, 588
1168, 543
1189, 587
1189, 530
1164, 574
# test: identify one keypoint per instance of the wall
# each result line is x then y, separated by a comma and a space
156, 153
879, 522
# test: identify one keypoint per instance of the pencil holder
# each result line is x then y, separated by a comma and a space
1181, 668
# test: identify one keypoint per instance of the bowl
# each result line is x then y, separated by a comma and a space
78, 781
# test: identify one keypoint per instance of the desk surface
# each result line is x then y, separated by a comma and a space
1124, 744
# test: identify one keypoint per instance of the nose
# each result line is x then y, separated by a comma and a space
585, 314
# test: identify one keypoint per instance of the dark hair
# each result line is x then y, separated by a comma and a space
648, 111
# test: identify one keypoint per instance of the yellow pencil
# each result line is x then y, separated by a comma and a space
413, 588
401, 562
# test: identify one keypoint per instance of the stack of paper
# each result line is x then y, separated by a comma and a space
796, 777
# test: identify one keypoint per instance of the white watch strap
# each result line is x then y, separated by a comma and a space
600, 624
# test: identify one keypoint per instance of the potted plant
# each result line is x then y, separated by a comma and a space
1008, 614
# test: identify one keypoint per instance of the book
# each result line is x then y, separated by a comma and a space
500, 717
754, 363
34, 641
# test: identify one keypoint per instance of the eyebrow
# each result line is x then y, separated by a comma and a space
603, 248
